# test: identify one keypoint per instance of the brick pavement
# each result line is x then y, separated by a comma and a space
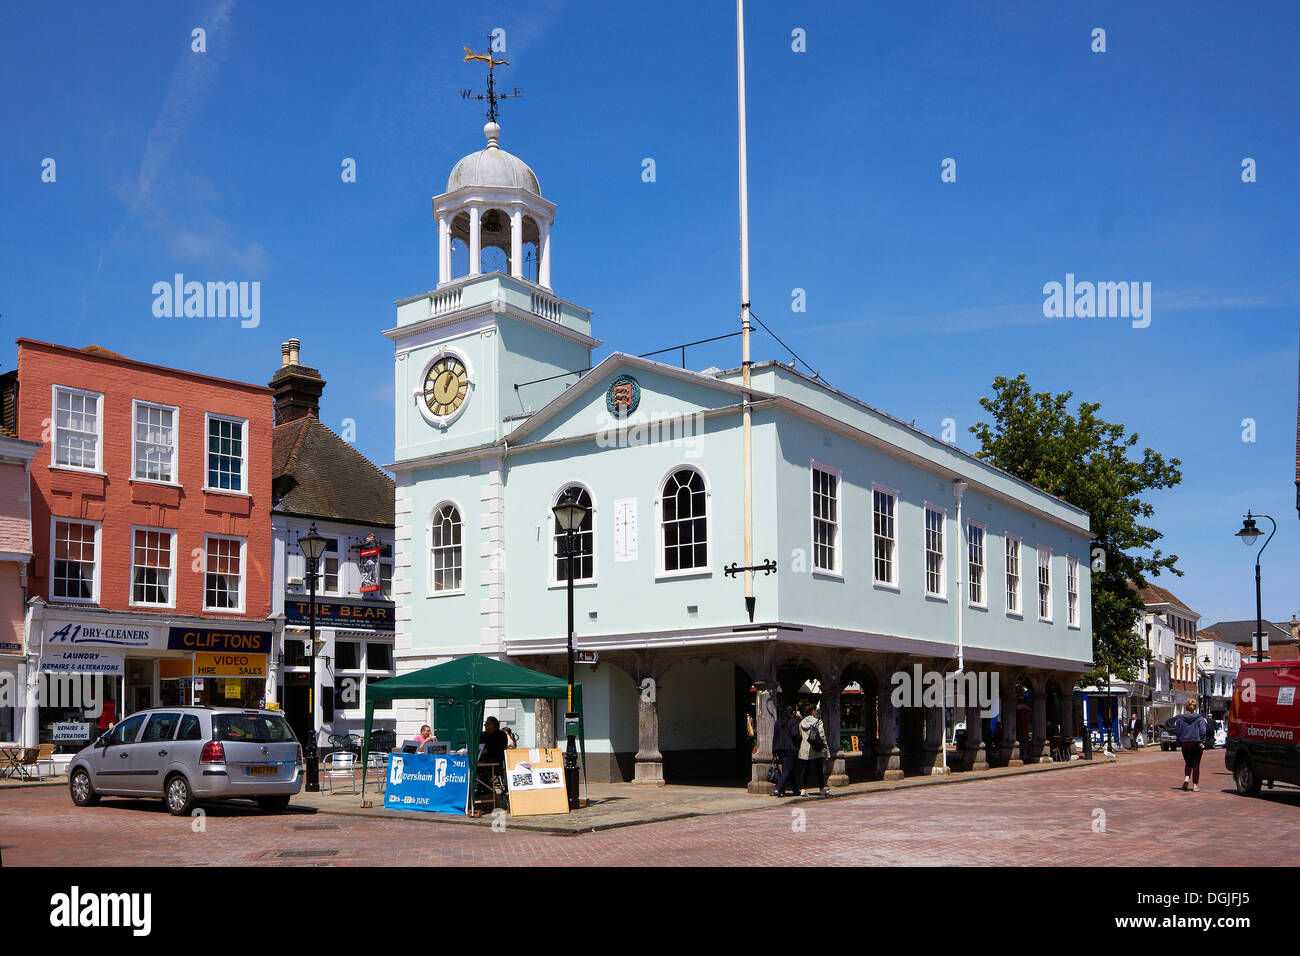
1034, 819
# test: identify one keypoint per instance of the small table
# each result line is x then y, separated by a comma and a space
11, 761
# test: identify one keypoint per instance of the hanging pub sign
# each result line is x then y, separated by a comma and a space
371, 549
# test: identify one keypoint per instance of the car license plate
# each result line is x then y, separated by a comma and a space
262, 770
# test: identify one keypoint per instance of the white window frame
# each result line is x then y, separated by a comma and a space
837, 544
243, 573
429, 590
1072, 596
660, 566
553, 579
99, 429
1019, 609
982, 604
99, 558
172, 580
208, 418
136, 405
941, 595
895, 564
1038, 564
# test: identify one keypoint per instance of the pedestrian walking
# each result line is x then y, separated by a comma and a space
1191, 729
785, 748
1134, 728
812, 751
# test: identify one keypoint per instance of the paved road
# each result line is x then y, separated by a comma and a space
1130, 813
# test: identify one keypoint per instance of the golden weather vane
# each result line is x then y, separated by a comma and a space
492, 96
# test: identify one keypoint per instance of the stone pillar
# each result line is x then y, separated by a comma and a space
517, 243
832, 687
765, 709
889, 764
976, 758
475, 240
544, 257
1067, 711
544, 723
1040, 748
1010, 756
935, 745
649, 770
444, 250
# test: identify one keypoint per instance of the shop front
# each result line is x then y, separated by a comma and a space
98, 666
354, 649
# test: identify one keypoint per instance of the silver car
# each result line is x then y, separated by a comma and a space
187, 754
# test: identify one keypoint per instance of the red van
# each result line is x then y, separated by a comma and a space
1264, 726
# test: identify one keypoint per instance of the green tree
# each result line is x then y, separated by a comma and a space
1085, 460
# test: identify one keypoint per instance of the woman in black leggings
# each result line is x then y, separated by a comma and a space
1191, 729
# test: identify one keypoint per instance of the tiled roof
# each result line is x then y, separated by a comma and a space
316, 473
1153, 594
1242, 632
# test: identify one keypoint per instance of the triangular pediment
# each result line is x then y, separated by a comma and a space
626, 391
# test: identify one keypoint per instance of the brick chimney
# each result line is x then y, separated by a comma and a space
297, 387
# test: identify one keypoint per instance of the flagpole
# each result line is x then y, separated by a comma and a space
744, 308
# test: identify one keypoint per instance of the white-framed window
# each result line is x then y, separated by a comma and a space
153, 566
1013, 575
584, 541
1044, 584
154, 442
74, 560
826, 519
329, 567
684, 522
975, 562
223, 574
357, 664
227, 454
78, 429
386, 580
1072, 591
884, 536
936, 584
446, 552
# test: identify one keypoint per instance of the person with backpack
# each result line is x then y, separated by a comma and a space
812, 751
1191, 730
785, 748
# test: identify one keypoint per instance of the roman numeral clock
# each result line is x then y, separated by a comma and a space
446, 389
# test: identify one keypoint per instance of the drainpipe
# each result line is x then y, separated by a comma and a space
958, 489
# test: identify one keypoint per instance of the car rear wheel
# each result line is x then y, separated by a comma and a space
273, 803
178, 796
1244, 777
83, 793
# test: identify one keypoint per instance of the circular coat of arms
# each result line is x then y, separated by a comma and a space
623, 397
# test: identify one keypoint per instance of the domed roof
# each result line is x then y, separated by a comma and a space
493, 166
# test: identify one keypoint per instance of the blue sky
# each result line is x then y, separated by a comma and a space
1115, 166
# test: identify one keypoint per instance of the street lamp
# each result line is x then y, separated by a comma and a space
569, 515
312, 546
1249, 534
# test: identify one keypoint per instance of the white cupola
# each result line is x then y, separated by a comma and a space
493, 199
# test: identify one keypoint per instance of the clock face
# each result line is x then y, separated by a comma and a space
445, 386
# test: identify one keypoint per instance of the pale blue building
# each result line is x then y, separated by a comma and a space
893, 549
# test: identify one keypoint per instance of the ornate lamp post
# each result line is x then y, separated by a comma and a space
312, 546
569, 516
1249, 534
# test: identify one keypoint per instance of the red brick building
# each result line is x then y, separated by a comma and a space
151, 527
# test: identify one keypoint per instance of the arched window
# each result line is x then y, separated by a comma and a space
584, 541
685, 521
446, 560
